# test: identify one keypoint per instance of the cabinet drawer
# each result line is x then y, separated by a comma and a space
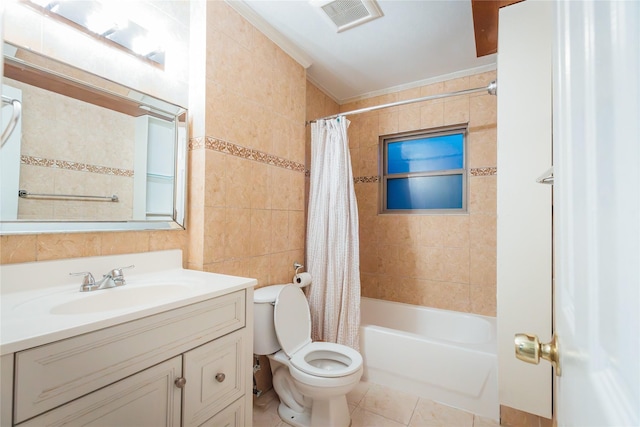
53, 374
147, 399
215, 375
231, 416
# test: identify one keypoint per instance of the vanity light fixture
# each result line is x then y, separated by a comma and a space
106, 24
145, 46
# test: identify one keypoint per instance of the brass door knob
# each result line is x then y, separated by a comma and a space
529, 349
180, 382
220, 377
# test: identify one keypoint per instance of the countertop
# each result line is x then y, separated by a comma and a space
35, 311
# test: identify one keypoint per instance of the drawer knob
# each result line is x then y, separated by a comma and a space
220, 377
180, 382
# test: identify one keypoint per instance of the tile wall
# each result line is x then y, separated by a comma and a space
247, 150
442, 261
319, 104
45, 247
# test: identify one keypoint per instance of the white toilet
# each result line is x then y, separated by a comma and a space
310, 378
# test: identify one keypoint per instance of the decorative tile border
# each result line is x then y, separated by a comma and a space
366, 179
74, 166
484, 171
210, 143
473, 172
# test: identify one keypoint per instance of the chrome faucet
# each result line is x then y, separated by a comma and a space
112, 279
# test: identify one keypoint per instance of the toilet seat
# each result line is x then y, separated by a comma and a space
292, 321
328, 360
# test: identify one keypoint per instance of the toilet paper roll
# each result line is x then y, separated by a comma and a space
302, 279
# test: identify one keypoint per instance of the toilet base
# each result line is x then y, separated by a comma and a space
291, 417
332, 412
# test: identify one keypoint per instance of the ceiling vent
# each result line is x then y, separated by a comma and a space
346, 14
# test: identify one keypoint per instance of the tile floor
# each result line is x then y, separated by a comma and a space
373, 405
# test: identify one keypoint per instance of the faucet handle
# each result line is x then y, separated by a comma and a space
117, 272
88, 281
117, 276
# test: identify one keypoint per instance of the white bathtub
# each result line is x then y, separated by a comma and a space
445, 356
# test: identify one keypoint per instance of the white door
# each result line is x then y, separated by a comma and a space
524, 267
597, 211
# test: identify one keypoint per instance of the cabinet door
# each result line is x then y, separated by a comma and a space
215, 374
147, 399
231, 416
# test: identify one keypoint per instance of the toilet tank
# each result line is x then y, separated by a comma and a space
265, 340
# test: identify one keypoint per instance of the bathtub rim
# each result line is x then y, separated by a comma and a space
490, 346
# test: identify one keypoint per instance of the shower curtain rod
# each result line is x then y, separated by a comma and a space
492, 89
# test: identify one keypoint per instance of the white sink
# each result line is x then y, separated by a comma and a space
119, 298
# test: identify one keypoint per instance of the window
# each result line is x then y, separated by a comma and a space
424, 171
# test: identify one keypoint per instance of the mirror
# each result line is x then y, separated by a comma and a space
87, 153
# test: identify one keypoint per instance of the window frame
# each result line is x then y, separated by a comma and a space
384, 141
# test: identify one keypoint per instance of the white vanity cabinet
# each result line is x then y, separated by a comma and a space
189, 366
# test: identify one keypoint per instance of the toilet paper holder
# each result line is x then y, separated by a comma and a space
300, 279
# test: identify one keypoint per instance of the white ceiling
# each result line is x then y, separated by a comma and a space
416, 42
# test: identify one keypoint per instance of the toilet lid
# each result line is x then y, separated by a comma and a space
267, 294
292, 319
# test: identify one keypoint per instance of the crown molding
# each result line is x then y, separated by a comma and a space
322, 89
418, 83
270, 32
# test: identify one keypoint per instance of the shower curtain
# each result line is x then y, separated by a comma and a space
332, 237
